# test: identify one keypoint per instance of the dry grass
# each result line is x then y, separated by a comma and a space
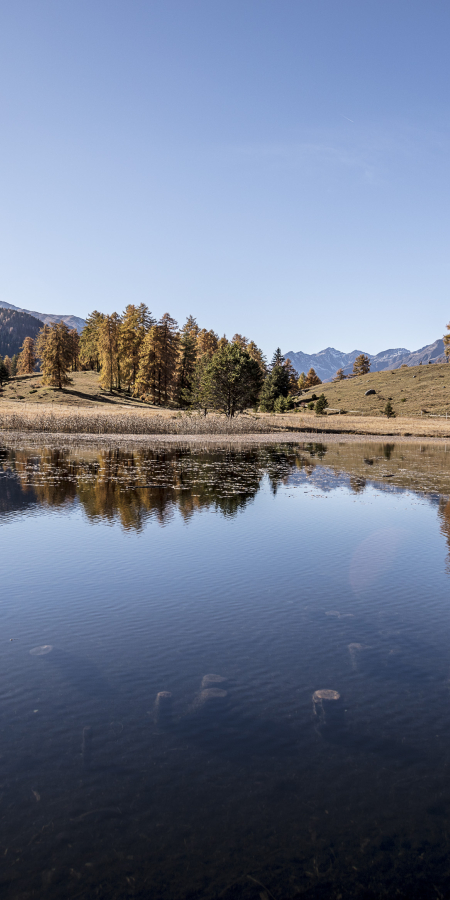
116, 420
410, 390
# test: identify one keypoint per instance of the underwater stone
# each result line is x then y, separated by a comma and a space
41, 651
207, 680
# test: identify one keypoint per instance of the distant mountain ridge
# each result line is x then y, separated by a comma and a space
328, 361
48, 318
14, 328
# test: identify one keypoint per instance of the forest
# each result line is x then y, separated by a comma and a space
164, 365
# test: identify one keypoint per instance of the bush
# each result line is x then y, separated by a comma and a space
313, 396
311, 404
280, 405
321, 405
389, 410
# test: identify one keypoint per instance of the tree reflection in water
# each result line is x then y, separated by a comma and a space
132, 486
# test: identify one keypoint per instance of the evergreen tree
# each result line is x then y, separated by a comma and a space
293, 376
276, 384
54, 349
14, 361
321, 405
167, 357
361, 366
89, 341
233, 380
7, 362
277, 359
312, 379
27, 358
389, 410
4, 372
187, 361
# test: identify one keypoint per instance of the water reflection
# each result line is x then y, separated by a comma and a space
131, 486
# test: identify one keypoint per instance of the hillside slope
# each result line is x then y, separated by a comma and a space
14, 328
413, 391
47, 318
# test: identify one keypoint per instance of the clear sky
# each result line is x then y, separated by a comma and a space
274, 167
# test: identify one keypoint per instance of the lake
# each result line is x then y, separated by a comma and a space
225, 671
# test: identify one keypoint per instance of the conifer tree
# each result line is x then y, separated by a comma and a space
292, 375
74, 338
446, 340
146, 375
7, 362
108, 352
207, 342
301, 383
4, 372
361, 366
339, 375
277, 359
276, 385
187, 360
14, 361
166, 358
55, 352
257, 355
27, 358
312, 379
89, 341
233, 380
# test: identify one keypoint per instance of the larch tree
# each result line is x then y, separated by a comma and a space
446, 340
54, 349
108, 352
301, 382
27, 357
361, 366
340, 376
136, 322
89, 341
145, 382
75, 348
207, 343
258, 356
312, 379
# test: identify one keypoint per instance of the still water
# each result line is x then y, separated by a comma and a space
313, 583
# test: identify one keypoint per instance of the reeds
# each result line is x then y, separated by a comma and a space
66, 421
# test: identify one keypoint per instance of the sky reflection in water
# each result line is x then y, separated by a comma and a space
285, 570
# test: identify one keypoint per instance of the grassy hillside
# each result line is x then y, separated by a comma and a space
14, 328
410, 390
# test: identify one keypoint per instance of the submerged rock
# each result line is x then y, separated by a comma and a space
41, 651
208, 680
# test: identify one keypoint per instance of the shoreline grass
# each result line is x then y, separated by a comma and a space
59, 419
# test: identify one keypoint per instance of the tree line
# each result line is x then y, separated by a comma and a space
160, 363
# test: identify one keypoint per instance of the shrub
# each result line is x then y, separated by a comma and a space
311, 404
321, 405
389, 410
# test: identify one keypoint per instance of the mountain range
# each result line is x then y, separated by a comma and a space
328, 361
48, 318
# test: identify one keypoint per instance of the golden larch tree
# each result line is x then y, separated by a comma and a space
54, 348
27, 357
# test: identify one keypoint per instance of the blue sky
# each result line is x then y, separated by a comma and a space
274, 168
